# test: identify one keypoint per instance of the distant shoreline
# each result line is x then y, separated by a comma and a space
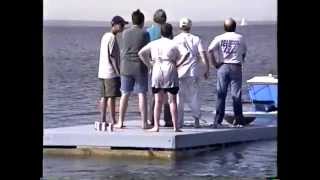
67, 23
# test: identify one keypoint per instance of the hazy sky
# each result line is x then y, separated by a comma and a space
196, 10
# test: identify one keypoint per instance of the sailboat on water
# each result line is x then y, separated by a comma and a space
243, 22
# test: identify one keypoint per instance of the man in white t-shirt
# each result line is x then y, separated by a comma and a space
227, 53
190, 71
109, 70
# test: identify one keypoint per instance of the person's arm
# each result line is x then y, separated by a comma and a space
244, 50
211, 50
182, 59
183, 53
113, 61
145, 55
204, 58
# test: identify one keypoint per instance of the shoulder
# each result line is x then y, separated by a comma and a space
129, 30
172, 43
149, 29
196, 38
239, 37
220, 36
152, 43
178, 38
107, 37
231, 35
238, 34
125, 31
216, 39
140, 32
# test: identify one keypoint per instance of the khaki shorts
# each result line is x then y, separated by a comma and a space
110, 87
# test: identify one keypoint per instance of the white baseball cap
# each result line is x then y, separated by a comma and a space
186, 22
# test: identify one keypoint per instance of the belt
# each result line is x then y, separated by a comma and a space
236, 64
161, 60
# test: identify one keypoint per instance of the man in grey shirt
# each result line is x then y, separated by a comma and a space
133, 73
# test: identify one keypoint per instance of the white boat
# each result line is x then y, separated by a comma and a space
243, 22
263, 91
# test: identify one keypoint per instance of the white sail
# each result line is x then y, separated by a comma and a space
243, 22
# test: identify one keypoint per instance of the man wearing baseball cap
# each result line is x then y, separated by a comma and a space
109, 70
190, 71
118, 20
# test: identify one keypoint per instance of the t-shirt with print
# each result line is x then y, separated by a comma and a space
109, 60
188, 42
229, 47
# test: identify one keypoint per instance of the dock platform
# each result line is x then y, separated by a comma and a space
132, 140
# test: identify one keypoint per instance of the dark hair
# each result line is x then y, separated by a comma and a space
185, 28
160, 16
230, 27
137, 17
166, 30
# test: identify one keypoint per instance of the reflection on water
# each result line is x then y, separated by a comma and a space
241, 160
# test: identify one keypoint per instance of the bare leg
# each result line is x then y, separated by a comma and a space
143, 109
112, 112
150, 102
122, 109
157, 110
103, 109
166, 112
180, 104
174, 113
150, 109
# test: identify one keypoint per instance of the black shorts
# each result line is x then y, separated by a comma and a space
110, 87
173, 90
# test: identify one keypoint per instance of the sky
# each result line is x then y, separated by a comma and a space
196, 10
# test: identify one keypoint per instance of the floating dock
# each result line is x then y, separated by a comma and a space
134, 141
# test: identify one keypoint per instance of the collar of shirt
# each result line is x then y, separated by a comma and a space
136, 26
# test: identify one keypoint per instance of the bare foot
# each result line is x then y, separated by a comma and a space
154, 129
118, 125
177, 130
147, 126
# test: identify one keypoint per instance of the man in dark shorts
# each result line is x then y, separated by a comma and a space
109, 70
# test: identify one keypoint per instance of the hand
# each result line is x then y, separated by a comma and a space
218, 66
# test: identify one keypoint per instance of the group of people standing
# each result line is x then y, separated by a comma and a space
169, 66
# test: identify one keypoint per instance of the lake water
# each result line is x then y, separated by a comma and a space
71, 91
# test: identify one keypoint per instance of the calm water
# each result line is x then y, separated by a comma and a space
71, 89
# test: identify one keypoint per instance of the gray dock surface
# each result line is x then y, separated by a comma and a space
132, 137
